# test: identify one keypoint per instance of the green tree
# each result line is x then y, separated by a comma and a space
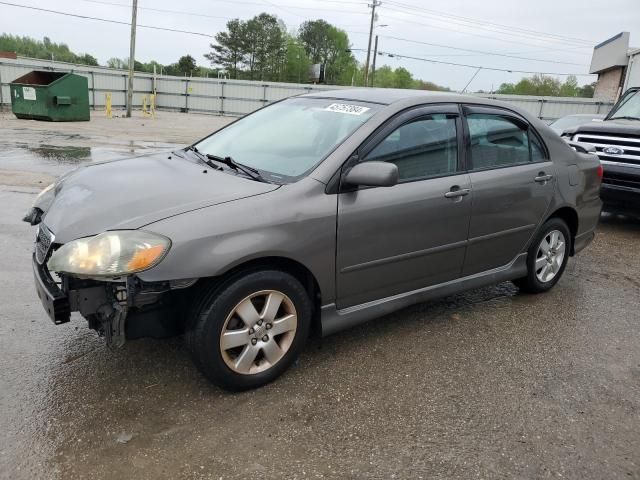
314, 35
187, 65
87, 59
547, 86
403, 78
422, 85
570, 87
265, 47
114, 62
587, 90
329, 45
297, 62
384, 77
254, 49
229, 51
43, 49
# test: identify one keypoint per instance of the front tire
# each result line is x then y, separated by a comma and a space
249, 330
547, 257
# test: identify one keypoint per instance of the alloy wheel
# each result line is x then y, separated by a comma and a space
258, 332
550, 256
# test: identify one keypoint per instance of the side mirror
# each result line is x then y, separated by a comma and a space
373, 174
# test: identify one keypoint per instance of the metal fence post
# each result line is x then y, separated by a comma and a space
264, 94
124, 91
1, 99
186, 95
541, 106
93, 90
222, 84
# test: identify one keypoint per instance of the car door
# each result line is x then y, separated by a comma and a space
396, 239
512, 182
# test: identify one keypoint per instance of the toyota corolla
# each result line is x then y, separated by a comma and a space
313, 214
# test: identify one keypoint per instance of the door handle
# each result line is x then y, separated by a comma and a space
543, 178
456, 192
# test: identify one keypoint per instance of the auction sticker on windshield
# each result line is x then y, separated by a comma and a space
346, 108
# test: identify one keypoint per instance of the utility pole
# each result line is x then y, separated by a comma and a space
132, 56
373, 67
375, 4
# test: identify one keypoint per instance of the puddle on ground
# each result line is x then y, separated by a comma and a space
72, 155
56, 160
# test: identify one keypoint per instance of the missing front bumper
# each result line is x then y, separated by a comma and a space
54, 301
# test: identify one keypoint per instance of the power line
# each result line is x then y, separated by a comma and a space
276, 5
449, 30
161, 10
86, 17
483, 23
510, 70
481, 51
396, 55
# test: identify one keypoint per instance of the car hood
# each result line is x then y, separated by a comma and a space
131, 193
622, 126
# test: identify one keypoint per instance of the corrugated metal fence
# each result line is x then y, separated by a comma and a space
236, 97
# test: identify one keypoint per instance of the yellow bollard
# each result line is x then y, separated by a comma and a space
107, 104
149, 106
152, 105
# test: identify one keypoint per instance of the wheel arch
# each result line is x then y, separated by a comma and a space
284, 264
570, 217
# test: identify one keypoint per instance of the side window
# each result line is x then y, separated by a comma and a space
537, 151
497, 141
421, 149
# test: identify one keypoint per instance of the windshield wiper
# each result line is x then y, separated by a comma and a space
203, 158
624, 117
231, 163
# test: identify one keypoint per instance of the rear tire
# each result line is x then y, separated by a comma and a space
249, 330
547, 257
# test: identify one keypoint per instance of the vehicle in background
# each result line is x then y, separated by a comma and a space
569, 121
617, 143
315, 213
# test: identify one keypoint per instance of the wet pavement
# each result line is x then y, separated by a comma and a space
488, 384
34, 153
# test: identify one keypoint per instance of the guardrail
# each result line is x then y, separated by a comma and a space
237, 97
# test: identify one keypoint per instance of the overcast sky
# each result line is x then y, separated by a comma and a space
569, 29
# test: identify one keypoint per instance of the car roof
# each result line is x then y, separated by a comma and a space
583, 115
388, 96
408, 98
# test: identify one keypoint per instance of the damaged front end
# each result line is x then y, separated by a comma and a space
119, 306
128, 308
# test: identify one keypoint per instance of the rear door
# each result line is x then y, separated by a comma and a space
397, 239
512, 181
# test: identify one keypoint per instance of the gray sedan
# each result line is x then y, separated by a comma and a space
312, 215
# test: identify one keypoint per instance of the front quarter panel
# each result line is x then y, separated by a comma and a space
296, 221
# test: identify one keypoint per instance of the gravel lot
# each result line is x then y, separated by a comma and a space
488, 384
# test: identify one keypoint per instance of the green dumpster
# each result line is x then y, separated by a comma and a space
53, 96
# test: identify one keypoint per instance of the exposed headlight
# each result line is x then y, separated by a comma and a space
110, 254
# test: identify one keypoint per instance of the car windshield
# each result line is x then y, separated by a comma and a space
629, 107
286, 140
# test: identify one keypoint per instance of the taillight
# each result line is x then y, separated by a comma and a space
600, 171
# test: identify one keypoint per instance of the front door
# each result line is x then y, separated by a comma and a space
512, 182
398, 239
